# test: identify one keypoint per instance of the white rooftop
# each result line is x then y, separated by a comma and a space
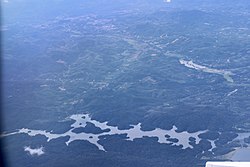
228, 164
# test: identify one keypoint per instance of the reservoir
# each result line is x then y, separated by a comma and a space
242, 154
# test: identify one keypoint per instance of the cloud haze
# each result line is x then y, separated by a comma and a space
36, 151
